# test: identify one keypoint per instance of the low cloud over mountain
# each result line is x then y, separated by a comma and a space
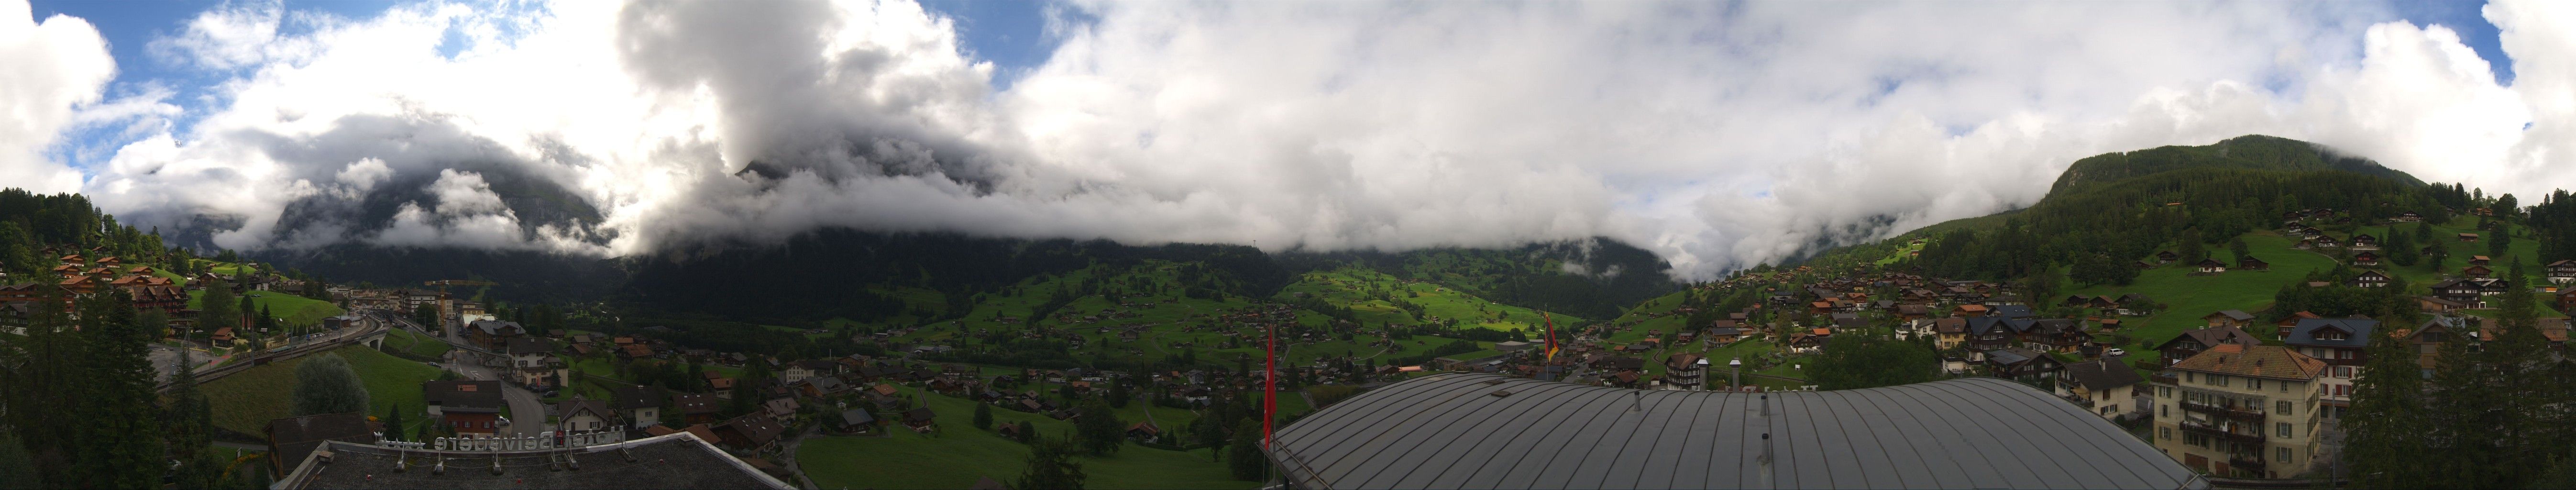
1715, 135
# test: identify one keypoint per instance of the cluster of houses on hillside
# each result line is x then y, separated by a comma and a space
83, 275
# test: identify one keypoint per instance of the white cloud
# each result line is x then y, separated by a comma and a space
1718, 135
364, 174
55, 67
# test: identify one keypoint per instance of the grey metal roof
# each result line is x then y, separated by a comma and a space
1452, 431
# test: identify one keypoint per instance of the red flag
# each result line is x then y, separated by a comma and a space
1551, 334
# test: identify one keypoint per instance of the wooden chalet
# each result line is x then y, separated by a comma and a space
2252, 264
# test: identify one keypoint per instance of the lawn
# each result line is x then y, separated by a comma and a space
960, 454
2523, 247
2188, 297
295, 310
416, 344
246, 401
1359, 290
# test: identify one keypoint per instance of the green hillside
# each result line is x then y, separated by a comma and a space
1376, 298
906, 459
294, 310
244, 402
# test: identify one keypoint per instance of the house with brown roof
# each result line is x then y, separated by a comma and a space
2104, 386
2240, 411
466, 406
754, 432
697, 408
2228, 318
2193, 342
578, 414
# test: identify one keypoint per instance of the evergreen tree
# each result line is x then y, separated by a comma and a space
1246, 460
2191, 248
1872, 359
1050, 466
1118, 394
1210, 431
1028, 431
2517, 351
40, 368
1099, 430
190, 426
2385, 430
119, 410
325, 384
218, 308
2400, 249
17, 466
746, 391
983, 416
2237, 246
393, 423
2500, 242
2464, 406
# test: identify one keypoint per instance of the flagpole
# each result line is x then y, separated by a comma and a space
1270, 382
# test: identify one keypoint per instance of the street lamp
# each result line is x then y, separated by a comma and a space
1736, 364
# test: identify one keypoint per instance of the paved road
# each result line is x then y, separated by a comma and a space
527, 413
789, 455
166, 362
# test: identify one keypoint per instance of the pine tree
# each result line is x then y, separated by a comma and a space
2384, 432
45, 366
2237, 246
1099, 430
121, 442
1050, 466
2191, 249
2464, 410
983, 416
393, 423
2517, 350
1245, 460
2499, 242
190, 425
2401, 249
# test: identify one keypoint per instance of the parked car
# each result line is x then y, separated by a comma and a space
2115, 352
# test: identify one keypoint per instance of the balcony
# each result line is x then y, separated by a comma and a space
2222, 434
2079, 401
2165, 378
2226, 411
2246, 462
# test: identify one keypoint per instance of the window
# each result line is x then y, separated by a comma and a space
2283, 408
2255, 383
2344, 353
2164, 411
2283, 429
2165, 433
2218, 380
2285, 454
2190, 376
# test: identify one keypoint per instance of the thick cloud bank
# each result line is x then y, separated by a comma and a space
1717, 135
55, 67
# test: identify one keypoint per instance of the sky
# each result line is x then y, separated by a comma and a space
1718, 135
